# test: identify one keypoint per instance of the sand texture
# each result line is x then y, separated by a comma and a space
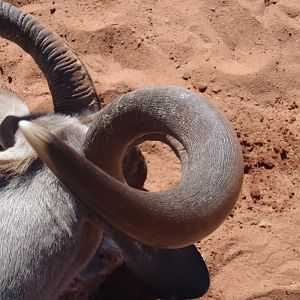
242, 55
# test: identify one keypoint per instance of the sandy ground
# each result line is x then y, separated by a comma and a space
244, 57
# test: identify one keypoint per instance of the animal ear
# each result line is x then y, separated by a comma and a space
171, 274
12, 107
8, 129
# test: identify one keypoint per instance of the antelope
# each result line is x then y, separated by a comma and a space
62, 182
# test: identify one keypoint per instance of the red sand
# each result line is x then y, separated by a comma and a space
244, 57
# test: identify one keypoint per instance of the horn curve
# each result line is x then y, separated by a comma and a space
69, 82
178, 217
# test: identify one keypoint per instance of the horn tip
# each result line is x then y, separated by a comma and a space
24, 125
36, 134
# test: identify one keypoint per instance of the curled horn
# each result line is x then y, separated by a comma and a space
210, 183
69, 82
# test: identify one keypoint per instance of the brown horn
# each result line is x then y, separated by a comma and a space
69, 82
210, 183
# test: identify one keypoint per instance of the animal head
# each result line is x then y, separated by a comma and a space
89, 158
212, 177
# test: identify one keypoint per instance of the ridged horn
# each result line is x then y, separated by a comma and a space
69, 82
209, 186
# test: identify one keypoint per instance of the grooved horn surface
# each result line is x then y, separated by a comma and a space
69, 82
210, 184
212, 174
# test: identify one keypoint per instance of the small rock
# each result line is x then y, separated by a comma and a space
185, 77
294, 105
283, 154
264, 224
247, 168
139, 42
255, 193
201, 87
269, 2
264, 163
216, 90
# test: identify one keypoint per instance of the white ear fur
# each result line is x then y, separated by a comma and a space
11, 104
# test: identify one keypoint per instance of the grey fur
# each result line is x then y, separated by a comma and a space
42, 226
